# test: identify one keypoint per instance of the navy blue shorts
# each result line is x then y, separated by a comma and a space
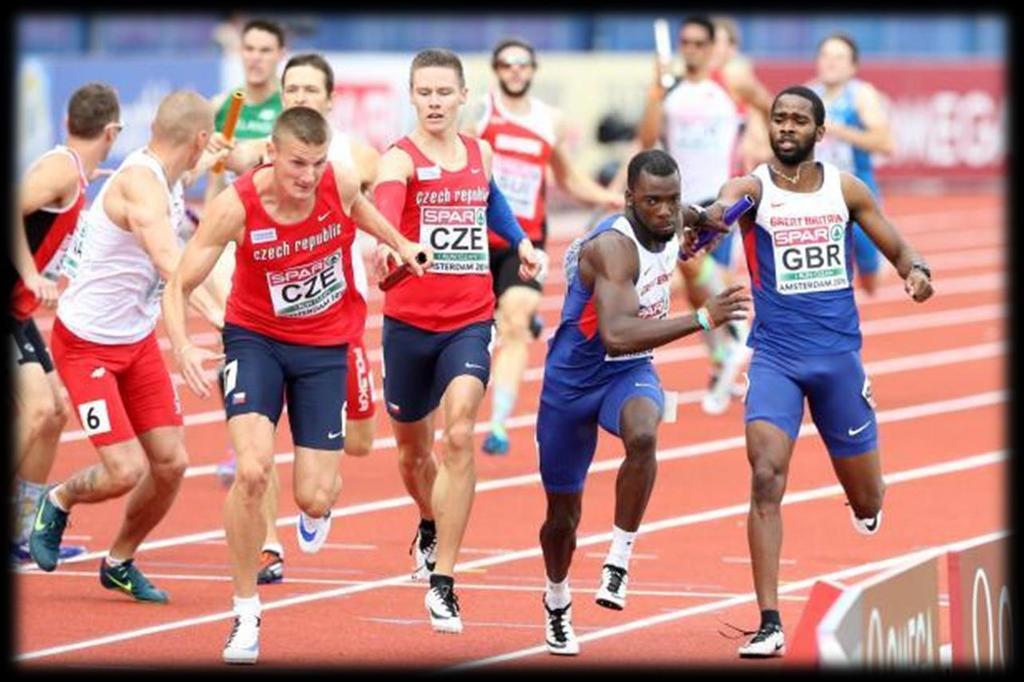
261, 373
838, 394
419, 364
567, 429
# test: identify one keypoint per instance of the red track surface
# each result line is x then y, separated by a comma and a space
353, 605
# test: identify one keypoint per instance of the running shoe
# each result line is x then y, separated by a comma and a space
443, 608
243, 645
226, 470
767, 642
716, 400
20, 552
312, 533
612, 593
130, 580
558, 632
496, 443
47, 530
866, 526
271, 567
424, 554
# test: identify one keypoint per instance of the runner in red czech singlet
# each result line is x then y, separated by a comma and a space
291, 313
436, 184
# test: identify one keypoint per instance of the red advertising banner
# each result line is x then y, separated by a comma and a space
980, 617
949, 119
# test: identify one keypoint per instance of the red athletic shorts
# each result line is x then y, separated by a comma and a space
360, 398
118, 390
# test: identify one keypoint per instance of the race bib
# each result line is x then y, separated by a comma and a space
520, 182
458, 236
54, 266
309, 289
810, 259
73, 255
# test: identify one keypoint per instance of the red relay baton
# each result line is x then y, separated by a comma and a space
400, 273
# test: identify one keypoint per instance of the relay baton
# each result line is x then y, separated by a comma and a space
732, 214
237, 99
663, 47
400, 273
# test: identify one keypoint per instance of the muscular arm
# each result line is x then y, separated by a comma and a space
140, 201
50, 183
223, 221
864, 210
876, 136
608, 265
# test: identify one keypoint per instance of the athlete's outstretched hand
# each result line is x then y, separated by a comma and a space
728, 306
529, 261
190, 361
918, 285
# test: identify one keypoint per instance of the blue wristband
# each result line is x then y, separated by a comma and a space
501, 219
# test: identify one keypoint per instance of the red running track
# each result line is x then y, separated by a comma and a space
938, 376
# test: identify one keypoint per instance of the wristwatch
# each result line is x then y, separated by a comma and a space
923, 267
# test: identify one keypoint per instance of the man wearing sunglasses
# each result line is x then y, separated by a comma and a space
528, 136
50, 198
698, 121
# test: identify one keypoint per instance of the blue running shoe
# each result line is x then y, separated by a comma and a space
226, 471
47, 530
496, 443
20, 552
128, 579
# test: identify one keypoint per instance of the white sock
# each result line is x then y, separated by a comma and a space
622, 547
53, 498
557, 595
112, 562
248, 606
274, 547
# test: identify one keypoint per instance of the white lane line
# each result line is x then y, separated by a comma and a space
679, 614
961, 464
963, 403
870, 328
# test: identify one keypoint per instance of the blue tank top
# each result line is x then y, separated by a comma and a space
800, 256
577, 360
843, 155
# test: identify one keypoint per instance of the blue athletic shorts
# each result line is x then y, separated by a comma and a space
260, 373
567, 429
838, 394
419, 364
867, 255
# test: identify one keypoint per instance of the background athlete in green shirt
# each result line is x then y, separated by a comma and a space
262, 51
